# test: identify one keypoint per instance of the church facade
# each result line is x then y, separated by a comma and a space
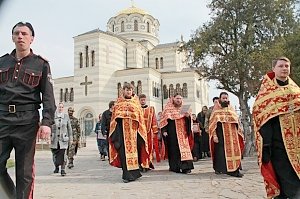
129, 51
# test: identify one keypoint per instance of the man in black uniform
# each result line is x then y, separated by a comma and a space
25, 83
105, 124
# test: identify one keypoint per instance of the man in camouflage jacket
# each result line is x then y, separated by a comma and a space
72, 150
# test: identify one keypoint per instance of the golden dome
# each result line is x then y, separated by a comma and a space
132, 10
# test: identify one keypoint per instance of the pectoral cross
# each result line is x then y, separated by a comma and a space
291, 108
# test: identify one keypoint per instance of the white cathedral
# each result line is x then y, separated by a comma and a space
129, 51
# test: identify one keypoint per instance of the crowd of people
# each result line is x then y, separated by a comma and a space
131, 136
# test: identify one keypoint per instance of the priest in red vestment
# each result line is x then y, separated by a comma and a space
152, 130
226, 138
276, 116
128, 136
176, 128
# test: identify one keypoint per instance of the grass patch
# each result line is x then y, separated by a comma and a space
10, 163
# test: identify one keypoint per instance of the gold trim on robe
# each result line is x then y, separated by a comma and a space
133, 124
173, 113
232, 133
151, 127
283, 101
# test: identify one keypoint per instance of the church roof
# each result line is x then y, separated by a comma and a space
89, 32
167, 45
133, 9
104, 32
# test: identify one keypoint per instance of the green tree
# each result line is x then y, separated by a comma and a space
292, 49
237, 45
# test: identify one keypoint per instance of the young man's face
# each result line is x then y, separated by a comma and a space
282, 70
177, 100
194, 117
127, 92
143, 101
216, 101
112, 107
204, 109
22, 37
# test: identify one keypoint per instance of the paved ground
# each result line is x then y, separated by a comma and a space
92, 178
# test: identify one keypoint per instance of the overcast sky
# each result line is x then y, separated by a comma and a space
57, 22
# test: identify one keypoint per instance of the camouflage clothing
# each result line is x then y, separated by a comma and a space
72, 150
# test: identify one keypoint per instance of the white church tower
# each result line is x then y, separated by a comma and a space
129, 51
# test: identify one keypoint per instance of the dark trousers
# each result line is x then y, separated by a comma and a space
197, 149
102, 146
22, 139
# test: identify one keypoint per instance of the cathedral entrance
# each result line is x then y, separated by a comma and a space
86, 121
88, 124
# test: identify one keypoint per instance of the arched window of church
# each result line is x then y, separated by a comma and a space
157, 90
66, 95
178, 89
80, 60
171, 90
153, 90
134, 87
136, 28
139, 88
122, 26
148, 27
156, 63
165, 92
119, 89
161, 62
198, 93
184, 90
71, 95
61, 95
93, 58
86, 56
113, 28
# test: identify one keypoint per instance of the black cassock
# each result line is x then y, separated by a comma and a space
171, 143
219, 160
204, 134
118, 141
274, 151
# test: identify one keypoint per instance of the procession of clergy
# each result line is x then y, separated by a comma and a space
136, 135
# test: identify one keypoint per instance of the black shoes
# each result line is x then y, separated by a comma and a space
236, 174
63, 172
126, 181
70, 165
239, 175
186, 171
56, 170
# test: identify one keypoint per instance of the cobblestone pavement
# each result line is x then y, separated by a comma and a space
92, 178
